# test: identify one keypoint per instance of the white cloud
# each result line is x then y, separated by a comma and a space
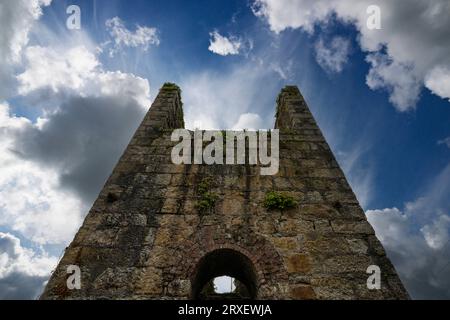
417, 239
420, 258
250, 121
217, 101
410, 51
50, 168
142, 37
57, 69
399, 79
293, 14
436, 233
391, 226
122, 84
332, 55
224, 46
38, 159
445, 141
15, 258
23, 272
78, 71
32, 202
17, 19
438, 81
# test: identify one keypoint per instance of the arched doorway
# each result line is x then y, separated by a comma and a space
225, 262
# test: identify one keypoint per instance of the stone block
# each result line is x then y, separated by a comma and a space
298, 263
303, 292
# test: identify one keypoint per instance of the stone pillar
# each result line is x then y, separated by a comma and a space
112, 245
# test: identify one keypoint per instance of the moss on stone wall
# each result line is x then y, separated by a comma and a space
279, 201
170, 86
207, 199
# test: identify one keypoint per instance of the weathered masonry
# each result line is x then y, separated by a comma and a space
163, 231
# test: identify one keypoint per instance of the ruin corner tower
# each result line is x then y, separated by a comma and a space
162, 231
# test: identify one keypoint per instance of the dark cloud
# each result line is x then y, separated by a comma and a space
425, 271
417, 240
83, 140
20, 286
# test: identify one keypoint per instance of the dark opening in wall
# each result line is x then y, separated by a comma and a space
224, 262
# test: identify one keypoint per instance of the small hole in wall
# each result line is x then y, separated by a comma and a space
337, 205
112, 197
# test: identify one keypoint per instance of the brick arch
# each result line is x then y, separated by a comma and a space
225, 260
266, 261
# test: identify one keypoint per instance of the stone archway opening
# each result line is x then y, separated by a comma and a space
224, 262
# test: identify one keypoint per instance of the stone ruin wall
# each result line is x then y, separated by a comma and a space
144, 236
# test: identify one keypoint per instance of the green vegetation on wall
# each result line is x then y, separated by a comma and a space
278, 201
207, 199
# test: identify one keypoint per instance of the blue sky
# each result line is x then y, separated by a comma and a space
381, 98
401, 140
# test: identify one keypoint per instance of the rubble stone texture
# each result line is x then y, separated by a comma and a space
146, 238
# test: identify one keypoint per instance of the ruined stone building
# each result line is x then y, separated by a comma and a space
162, 231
